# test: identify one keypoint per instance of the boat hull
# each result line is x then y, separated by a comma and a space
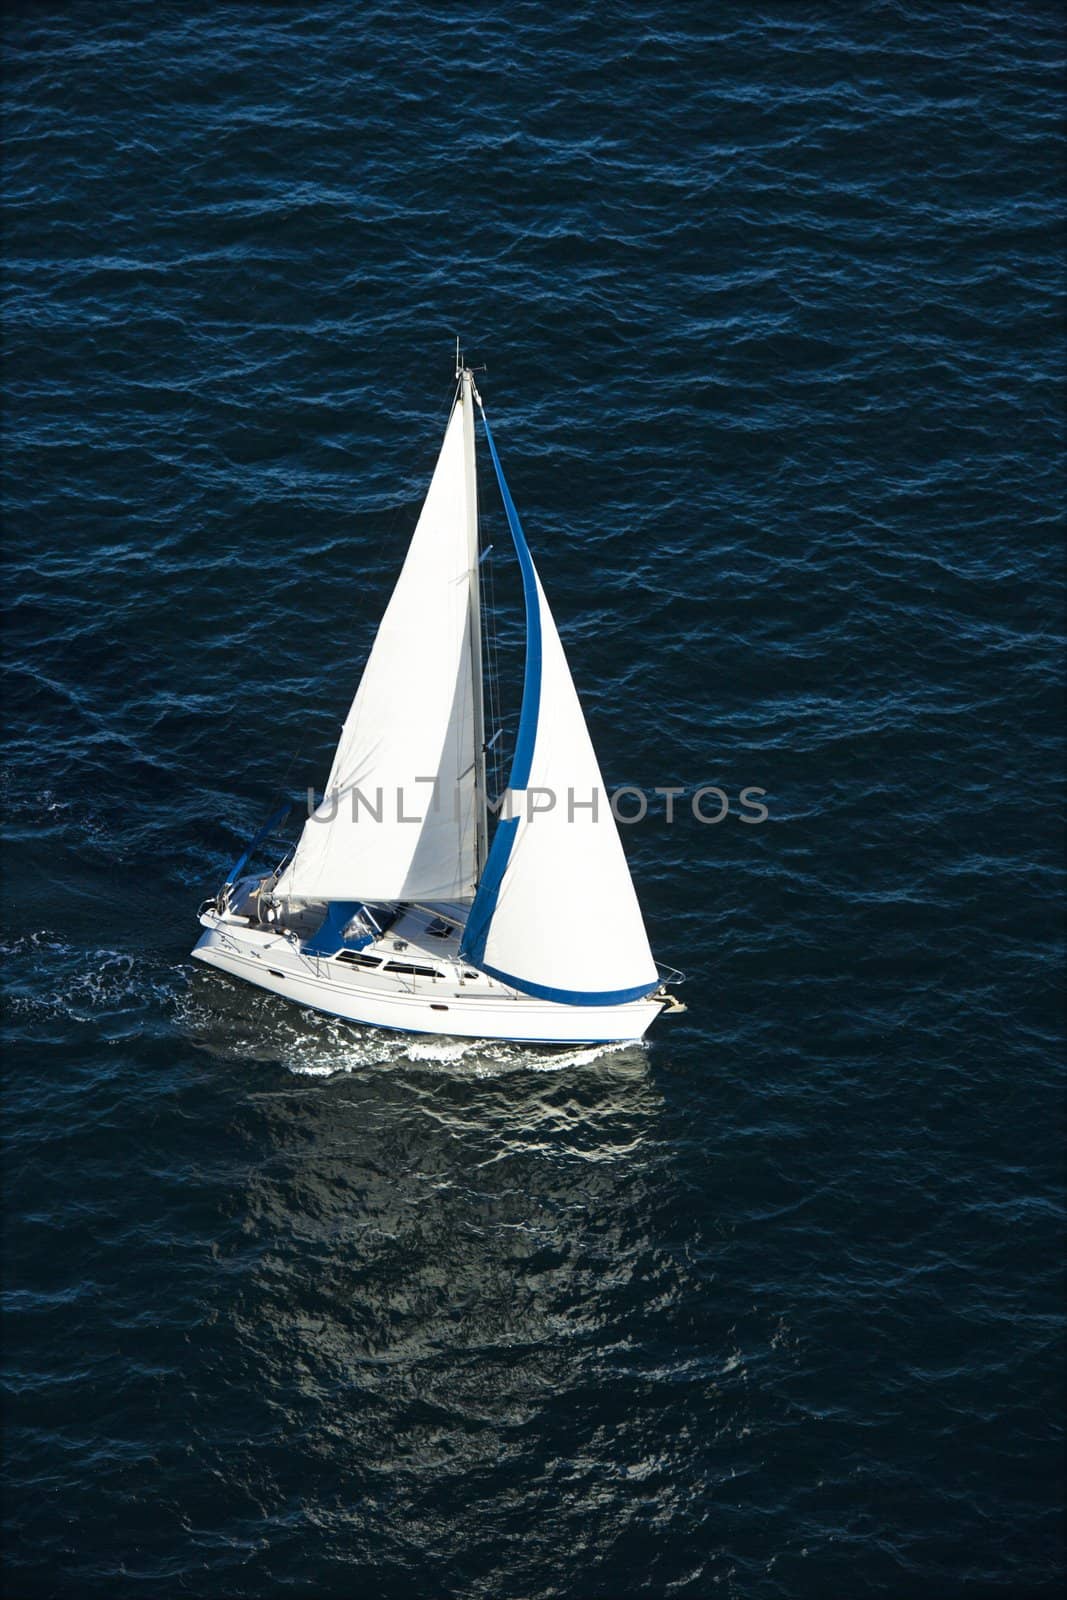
275, 962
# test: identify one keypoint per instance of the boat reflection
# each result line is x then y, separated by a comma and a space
439, 1236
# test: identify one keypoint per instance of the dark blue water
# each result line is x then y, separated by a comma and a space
769, 299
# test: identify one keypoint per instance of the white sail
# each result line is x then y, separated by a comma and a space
556, 913
400, 816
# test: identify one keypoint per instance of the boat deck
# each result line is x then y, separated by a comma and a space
409, 977
416, 943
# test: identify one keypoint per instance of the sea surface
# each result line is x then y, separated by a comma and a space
769, 301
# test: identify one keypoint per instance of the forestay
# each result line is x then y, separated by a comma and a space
556, 913
412, 719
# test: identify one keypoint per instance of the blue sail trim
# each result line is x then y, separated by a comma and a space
483, 909
481, 912
531, 683
573, 997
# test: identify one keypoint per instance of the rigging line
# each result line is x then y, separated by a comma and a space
487, 619
491, 724
296, 755
499, 761
488, 610
492, 656
501, 758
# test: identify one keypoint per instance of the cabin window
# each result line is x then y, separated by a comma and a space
412, 972
355, 959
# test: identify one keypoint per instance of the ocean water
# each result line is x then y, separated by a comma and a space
769, 299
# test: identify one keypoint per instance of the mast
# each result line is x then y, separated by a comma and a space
468, 394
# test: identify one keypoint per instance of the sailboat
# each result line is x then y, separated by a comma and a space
399, 906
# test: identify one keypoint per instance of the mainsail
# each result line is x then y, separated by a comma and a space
402, 817
556, 914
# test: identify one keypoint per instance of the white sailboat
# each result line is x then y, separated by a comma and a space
395, 908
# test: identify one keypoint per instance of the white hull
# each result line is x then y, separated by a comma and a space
451, 1005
